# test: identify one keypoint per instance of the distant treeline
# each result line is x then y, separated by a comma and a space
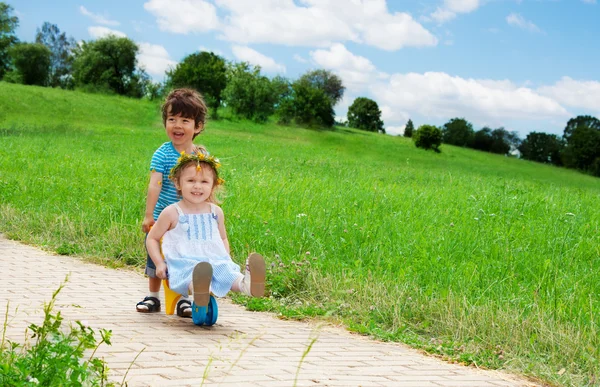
577, 148
109, 65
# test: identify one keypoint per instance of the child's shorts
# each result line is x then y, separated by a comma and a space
150, 266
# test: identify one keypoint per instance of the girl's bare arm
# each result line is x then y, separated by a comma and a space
222, 230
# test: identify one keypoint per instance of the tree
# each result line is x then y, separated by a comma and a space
327, 81
428, 137
500, 143
578, 122
8, 25
153, 90
61, 60
31, 62
203, 71
409, 128
482, 140
108, 64
582, 151
282, 88
250, 94
457, 131
542, 147
582, 148
364, 114
306, 105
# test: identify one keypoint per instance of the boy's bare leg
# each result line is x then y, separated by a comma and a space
154, 284
148, 304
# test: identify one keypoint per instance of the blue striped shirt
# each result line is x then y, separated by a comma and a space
163, 160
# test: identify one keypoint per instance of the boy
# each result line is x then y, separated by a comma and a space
184, 115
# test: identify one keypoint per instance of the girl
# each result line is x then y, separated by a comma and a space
194, 241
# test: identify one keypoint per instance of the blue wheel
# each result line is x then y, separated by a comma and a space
212, 312
199, 314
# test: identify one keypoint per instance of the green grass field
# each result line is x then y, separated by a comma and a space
484, 259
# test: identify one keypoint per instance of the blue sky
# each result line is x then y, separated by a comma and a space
526, 65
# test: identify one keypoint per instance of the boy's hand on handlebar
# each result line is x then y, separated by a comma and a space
147, 224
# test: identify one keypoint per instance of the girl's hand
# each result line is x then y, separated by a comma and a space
161, 271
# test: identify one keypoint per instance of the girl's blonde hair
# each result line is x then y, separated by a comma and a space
200, 162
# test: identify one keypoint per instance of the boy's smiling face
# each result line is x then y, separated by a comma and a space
181, 130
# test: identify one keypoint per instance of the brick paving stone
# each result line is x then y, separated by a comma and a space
464, 383
242, 348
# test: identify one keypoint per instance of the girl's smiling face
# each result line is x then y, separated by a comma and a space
196, 184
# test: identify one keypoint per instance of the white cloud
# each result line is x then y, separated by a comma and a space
451, 8
442, 15
98, 18
214, 51
589, 1
357, 72
578, 94
155, 59
300, 59
313, 23
395, 130
101, 32
393, 114
184, 16
439, 96
267, 21
515, 19
393, 32
461, 6
339, 57
341, 108
247, 54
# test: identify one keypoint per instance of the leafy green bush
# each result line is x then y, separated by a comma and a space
428, 137
306, 105
248, 93
364, 114
56, 358
32, 62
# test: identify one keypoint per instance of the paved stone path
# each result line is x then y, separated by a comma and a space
243, 349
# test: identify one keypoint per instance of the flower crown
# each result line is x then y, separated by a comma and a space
199, 157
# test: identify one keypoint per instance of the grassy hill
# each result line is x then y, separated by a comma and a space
485, 259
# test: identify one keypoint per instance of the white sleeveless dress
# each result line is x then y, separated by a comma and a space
195, 239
